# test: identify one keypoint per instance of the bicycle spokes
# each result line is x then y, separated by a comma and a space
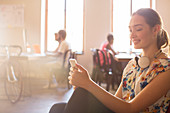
11, 74
13, 82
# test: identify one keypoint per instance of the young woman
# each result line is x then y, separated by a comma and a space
145, 83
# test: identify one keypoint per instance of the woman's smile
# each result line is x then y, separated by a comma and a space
135, 41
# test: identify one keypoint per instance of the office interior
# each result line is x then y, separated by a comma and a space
97, 24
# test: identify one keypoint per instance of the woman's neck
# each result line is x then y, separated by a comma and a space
150, 53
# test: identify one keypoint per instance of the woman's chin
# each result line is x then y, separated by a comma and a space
137, 47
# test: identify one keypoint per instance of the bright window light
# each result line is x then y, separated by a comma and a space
55, 21
65, 14
121, 17
74, 24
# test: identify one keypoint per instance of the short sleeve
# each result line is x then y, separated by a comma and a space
63, 47
157, 67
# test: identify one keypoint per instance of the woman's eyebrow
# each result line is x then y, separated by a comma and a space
136, 25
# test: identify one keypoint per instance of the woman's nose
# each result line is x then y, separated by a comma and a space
132, 35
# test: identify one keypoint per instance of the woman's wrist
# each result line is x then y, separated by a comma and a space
88, 84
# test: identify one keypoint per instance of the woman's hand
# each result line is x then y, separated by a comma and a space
79, 77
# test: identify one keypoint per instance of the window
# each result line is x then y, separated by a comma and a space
122, 11
55, 22
74, 24
68, 15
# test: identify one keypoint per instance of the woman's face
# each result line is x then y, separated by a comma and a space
141, 33
111, 42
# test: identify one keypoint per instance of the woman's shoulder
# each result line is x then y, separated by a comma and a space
163, 63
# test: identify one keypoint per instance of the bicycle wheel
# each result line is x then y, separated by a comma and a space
13, 81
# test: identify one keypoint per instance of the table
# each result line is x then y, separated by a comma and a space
33, 66
124, 57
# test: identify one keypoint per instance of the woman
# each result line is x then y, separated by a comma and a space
144, 88
108, 45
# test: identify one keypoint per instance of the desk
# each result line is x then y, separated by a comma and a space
40, 62
124, 57
38, 57
32, 66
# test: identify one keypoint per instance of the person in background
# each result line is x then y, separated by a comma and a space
107, 46
63, 44
55, 67
145, 83
109, 43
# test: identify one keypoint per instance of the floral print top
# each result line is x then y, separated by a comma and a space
136, 78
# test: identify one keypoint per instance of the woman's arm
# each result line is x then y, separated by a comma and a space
119, 91
148, 96
110, 48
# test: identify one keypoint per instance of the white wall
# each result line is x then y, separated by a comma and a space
162, 6
97, 23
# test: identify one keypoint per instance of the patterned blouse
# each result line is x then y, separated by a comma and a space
136, 78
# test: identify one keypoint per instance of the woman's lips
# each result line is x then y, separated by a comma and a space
136, 41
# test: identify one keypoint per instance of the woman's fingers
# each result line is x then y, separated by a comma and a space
74, 87
70, 73
71, 69
70, 79
78, 77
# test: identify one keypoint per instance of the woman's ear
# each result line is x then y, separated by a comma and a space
156, 29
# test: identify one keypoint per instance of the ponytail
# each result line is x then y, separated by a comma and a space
162, 39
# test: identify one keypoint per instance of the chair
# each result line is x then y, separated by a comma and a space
98, 69
66, 64
113, 70
109, 71
61, 73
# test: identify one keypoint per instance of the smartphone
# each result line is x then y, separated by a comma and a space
73, 63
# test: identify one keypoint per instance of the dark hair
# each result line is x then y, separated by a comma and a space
109, 37
152, 18
62, 33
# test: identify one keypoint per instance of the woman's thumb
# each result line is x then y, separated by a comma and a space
81, 68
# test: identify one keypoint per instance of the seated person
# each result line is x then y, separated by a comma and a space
107, 45
55, 67
63, 44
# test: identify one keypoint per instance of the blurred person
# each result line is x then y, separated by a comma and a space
63, 44
55, 68
108, 45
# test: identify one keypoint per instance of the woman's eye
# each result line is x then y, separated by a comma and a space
139, 29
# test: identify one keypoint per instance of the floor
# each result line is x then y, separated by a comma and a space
35, 99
